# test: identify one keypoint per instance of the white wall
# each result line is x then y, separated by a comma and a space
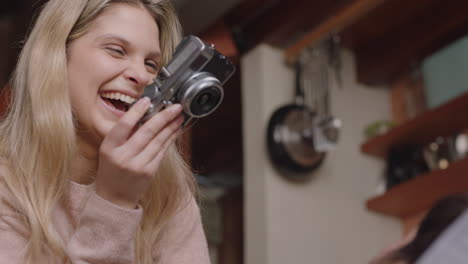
323, 221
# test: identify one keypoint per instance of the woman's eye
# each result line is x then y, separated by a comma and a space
116, 50
152, 65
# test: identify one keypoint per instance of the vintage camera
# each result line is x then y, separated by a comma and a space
194, 78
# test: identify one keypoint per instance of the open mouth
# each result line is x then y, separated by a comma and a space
119, 101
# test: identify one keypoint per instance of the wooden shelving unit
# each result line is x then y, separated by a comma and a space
445, 120
418, 194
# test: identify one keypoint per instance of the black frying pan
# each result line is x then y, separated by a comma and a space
289, 137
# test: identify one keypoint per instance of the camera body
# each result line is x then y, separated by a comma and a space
193, 78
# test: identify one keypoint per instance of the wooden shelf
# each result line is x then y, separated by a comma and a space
420, 193
444, 120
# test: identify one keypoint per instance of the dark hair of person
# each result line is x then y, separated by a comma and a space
440, 216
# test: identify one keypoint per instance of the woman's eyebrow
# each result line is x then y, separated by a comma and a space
115, 37
153, 54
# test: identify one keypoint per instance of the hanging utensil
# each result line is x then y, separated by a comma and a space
334, 57
290, 141
326, 128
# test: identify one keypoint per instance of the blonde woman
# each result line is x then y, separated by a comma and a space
79, 182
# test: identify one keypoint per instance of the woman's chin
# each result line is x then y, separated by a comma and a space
94, 136
104, 128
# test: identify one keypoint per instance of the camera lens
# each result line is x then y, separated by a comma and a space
201, 95
205, 101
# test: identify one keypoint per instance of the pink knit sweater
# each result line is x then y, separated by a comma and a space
96, 231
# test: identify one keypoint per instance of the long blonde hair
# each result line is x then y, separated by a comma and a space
38, 142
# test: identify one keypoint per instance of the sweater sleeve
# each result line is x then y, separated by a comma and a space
13, 232
184, 240
105, 233
12, 239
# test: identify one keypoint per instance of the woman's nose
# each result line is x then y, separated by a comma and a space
138, 75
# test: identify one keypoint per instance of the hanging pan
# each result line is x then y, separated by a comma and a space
290, 139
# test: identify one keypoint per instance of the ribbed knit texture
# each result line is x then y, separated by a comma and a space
96, 231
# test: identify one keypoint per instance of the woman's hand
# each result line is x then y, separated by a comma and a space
129, 159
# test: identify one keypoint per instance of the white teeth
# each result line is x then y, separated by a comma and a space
118, 96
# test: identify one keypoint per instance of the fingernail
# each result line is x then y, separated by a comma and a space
144, 102
176, 108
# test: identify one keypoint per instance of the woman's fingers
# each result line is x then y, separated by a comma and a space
153, 165
156, 145
124, 127
153, 127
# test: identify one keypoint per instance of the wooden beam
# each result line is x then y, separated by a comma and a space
335, 23
220, 35
385, 58
278, 22
383, 19
245, 11
289, 21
